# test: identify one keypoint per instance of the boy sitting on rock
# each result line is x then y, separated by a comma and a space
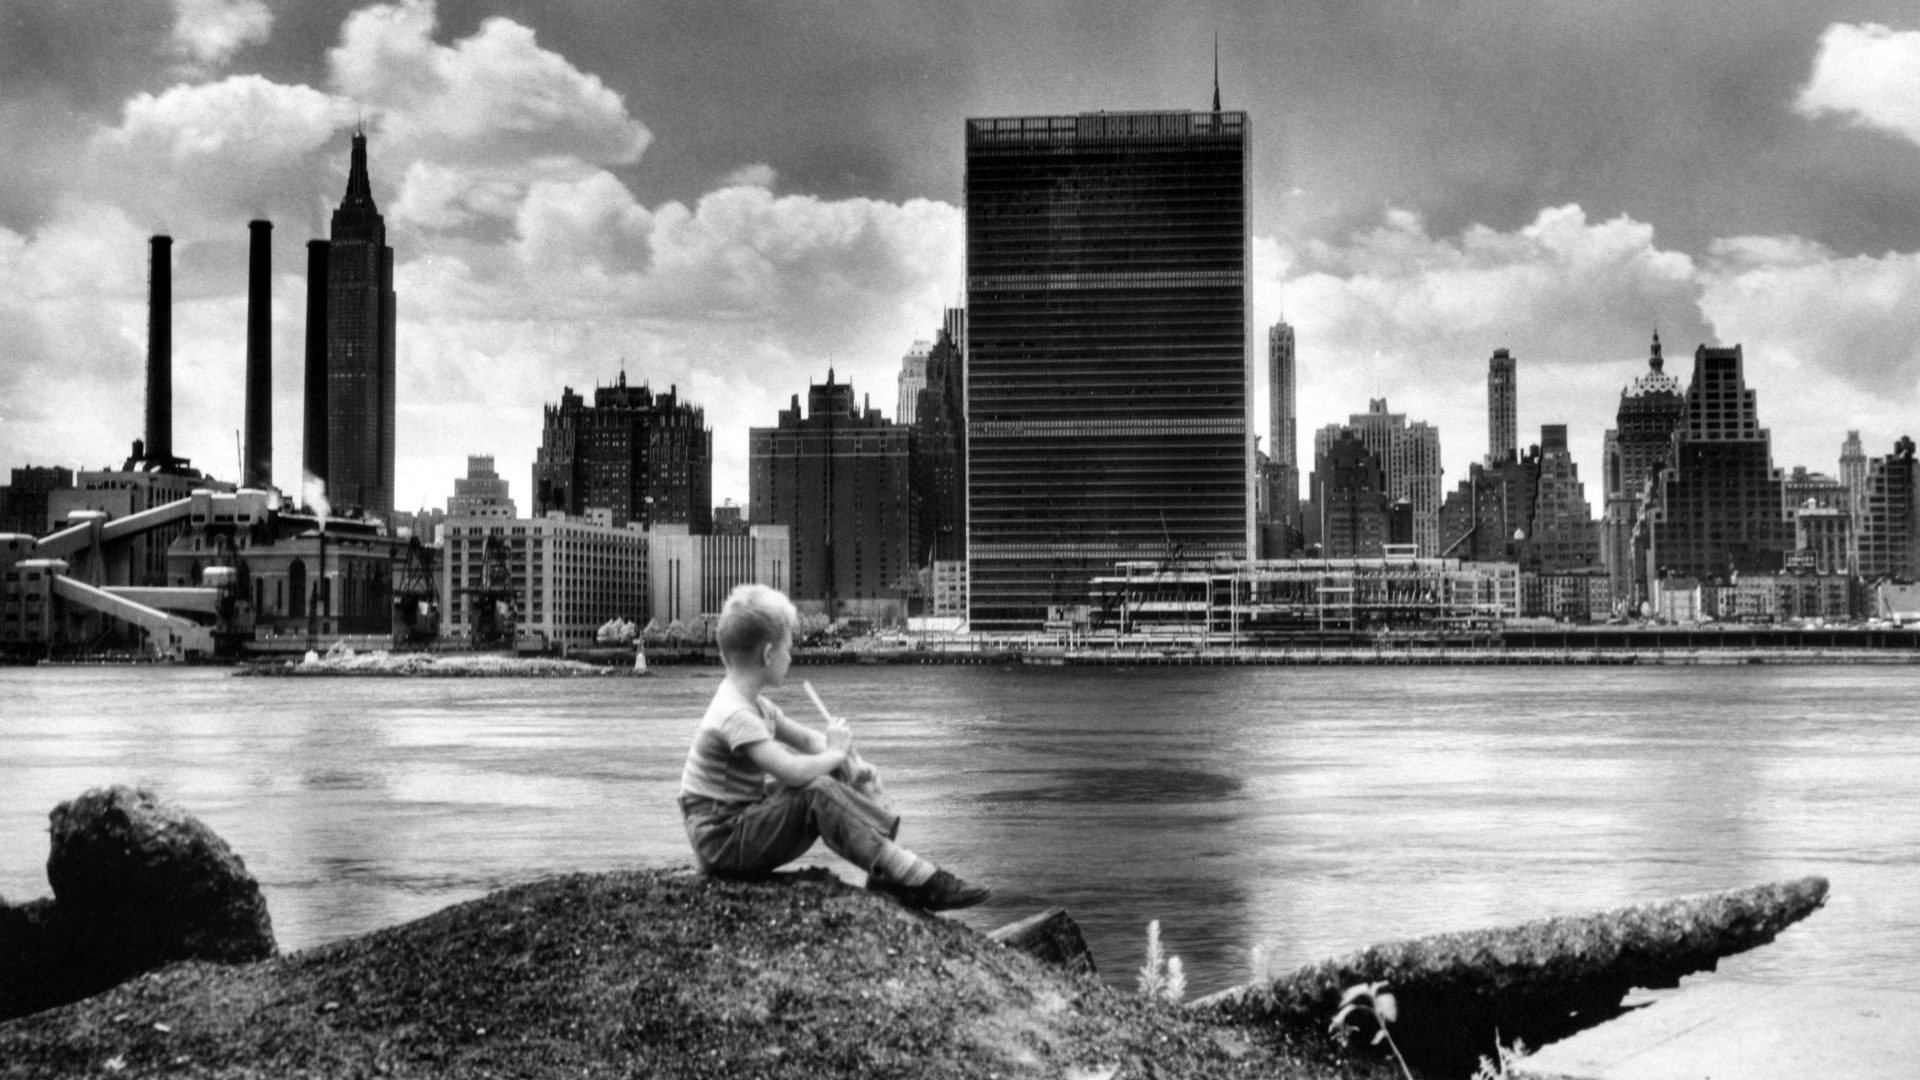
758, 788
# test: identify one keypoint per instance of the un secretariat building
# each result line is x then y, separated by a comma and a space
1109, 384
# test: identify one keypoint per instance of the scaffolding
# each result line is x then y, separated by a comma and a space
1237, 603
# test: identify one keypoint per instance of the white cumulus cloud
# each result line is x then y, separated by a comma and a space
739, 300
72, 329
495, 98
209, 32
1837, 336
211, 155
1831, 342
1868, 73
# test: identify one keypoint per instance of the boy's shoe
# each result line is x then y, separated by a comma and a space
941, 892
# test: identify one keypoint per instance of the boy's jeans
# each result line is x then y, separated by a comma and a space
760, 837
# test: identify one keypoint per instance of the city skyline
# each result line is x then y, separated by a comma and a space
558, 211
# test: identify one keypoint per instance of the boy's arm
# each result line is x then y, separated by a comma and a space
794, 767
797, 735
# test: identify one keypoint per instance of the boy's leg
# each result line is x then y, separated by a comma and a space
759, 839
861, 831
854, 826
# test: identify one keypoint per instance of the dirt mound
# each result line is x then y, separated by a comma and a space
654, 973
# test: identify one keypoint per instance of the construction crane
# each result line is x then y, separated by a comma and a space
416, 598
492, 602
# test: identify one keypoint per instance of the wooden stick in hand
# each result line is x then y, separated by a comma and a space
814, 696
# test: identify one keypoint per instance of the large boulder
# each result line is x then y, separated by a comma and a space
137, 883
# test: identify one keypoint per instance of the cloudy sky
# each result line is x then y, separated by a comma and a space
731, 196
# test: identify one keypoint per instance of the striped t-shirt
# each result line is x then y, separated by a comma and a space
717, 764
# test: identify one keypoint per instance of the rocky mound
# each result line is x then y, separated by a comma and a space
650, 973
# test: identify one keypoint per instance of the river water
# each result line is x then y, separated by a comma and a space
1312, 811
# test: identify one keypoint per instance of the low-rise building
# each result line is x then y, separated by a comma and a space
23, 503
565, 576
1780, 598
692, 575
1823, 538
947, 589
1567, 596
1247, 603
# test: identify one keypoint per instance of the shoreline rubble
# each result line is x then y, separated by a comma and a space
383, 664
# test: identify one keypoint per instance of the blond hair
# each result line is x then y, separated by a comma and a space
754, 616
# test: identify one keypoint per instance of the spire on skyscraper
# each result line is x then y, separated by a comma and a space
1656, 362
1216, 71
359, 187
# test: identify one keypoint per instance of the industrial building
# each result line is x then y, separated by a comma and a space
244, 576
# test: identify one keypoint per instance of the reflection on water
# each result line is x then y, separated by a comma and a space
1314, 811
1145, 784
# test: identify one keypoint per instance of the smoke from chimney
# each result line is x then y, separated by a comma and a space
258, 472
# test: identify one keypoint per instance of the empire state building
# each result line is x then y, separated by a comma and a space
360, 349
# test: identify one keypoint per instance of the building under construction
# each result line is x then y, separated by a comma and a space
1270, 601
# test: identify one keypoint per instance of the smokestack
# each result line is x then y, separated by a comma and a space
259, 453
159, 446
315, 449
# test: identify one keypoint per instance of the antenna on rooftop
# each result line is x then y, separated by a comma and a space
1216, 71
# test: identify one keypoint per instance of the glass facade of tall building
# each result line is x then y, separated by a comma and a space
1108, 381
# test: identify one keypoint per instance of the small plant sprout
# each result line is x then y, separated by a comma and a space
1260, 973
1509, 1057
1373, 999
1161, 976
1259, 965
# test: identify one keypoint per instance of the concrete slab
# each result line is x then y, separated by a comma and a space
1724, 1029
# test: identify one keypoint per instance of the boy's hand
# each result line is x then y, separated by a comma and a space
839, 735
